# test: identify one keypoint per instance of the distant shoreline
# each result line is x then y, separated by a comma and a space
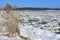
30, 8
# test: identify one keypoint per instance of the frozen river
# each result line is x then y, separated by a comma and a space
34, 25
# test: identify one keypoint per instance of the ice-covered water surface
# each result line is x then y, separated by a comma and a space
47, 19
38, 34
45, 23
36, 25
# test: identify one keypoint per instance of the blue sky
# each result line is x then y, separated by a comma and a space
32, 3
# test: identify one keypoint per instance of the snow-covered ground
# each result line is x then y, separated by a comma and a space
36, 25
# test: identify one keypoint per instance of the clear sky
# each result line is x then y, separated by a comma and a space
32, 3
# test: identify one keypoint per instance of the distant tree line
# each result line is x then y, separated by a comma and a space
31, 8
9, 7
